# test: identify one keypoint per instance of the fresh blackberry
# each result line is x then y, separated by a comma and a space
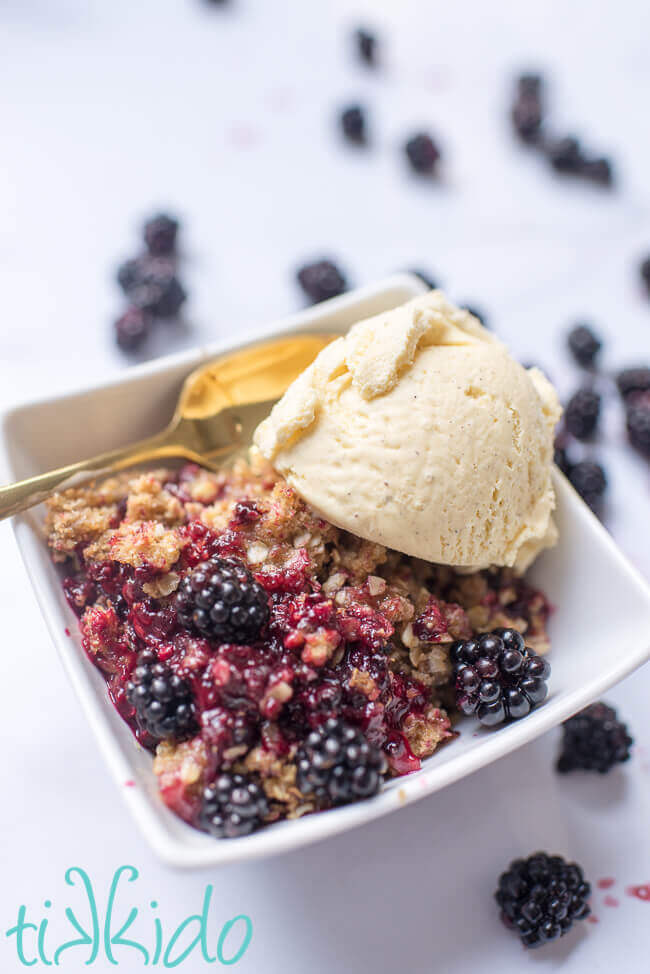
366, 44
353, 124
582, 413
527, 116
160, 235
594, 740
338, 765
132, 328
644, 271
590, 481
163, 701
637, 409
633, 380
584, 345
425, 277
529, 85
321, 280
541, 897
561, 456
565, 155
221, 600
497, 677
422, 153
151, 283
233, 805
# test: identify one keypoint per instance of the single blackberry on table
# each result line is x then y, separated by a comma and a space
565, 155
132, 328
163, 701
221, 600
150, 283
497, 677
160, 235
582, 413
541, 897
584, 345
321, 280
233, 805
594, 740
637, 408
338, 765
590, 481
598, 170
633, 380
425, 277
366, 44
353, 124
423, 154
529, 85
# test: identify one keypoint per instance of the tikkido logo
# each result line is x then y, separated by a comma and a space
103, 936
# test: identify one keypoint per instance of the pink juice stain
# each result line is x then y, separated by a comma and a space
605, 883
611, 901
640, 892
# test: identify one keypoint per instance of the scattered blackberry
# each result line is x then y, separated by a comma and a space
353, 124
561, 456
527, 111
584, 344
633, 380
529, 85
163, 701
366, 44
598, 170
594, 740
233, 805
637, 409
151, 283
497, 677
582, 413
565, 155
321, 280
425, 278
644, 270
221, 600
541, 897
422, 153
160, 235
132, 328
338, 765
590, 481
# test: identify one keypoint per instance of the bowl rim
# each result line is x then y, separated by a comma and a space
186, 847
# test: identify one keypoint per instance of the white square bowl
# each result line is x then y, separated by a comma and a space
600, 630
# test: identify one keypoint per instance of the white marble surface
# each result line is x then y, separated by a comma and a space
225, 115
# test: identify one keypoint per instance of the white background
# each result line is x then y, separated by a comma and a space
227, 116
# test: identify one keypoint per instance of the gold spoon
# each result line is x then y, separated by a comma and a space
219, 407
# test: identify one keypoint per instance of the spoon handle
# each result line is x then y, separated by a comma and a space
18, 497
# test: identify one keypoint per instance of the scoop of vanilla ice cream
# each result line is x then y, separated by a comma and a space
419, 431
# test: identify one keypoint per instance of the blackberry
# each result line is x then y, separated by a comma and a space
561, 456
599, 170
353, 124
422, 153
594, 740
321, 280
590, 481
637, 410
644, 271
233, 805
132, 328
527, 117
565, 155
529, 85
582, 413
160, 235
633, 380
150, 283
425, 277
366, 44
221, 600
497, 677
338, 765
163, 701
540, 897
584, 345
